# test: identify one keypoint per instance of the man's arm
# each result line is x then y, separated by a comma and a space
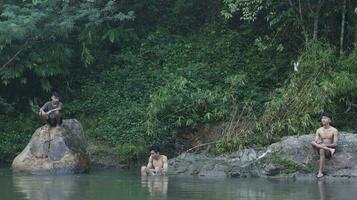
317, 137
166, 166
60, 106
42, 109
53, 110
149, 165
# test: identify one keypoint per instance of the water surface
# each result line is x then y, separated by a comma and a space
115, 184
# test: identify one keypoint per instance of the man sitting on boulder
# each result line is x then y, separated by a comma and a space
50, 112
157, 164
325, 141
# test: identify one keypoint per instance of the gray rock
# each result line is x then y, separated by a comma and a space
55, 151
292, 156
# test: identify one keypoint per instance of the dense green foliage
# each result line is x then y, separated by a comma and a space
142, 71
293, 107
14, 134
150, 98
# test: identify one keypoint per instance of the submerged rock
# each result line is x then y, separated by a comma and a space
293, 155
55, 151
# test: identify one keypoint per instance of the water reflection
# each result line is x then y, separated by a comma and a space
46, 187
156, 185
321, 186
114, 185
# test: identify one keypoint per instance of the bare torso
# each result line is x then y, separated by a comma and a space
158, 163
326, 136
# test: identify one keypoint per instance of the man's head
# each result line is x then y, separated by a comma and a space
155, 151
55, 97
326, 118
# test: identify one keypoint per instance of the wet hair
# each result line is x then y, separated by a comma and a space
327, 114
155, 148
56, 94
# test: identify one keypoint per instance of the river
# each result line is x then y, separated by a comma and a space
116, 184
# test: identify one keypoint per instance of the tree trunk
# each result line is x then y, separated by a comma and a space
297, 10
342, 26
306, 35
316, 20
316, 23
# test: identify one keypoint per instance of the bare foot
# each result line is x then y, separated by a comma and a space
332, 151
320, 174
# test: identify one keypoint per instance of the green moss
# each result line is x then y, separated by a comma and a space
281, 161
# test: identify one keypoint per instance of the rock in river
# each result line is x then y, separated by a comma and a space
55, 151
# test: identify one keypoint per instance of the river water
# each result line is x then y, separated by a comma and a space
115, 184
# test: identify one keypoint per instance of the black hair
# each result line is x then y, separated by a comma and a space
327, 114
155, 148
56, 94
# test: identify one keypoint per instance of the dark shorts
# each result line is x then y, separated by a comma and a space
52, 121
327, 153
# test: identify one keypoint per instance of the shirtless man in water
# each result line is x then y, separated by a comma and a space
157, 164
325, 141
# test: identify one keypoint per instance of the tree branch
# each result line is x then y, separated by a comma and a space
200, 145
343, 26
16, 54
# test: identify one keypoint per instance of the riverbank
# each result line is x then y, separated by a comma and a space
292, 157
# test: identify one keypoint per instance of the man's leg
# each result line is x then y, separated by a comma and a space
322, 151
322, 163
43, 118
58, 118
144, 171
319, 146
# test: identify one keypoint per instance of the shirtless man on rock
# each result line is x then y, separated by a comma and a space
325, 141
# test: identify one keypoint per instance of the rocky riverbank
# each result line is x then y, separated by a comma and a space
292, 156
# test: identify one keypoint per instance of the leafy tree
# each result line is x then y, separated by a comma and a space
301, 21
41, 40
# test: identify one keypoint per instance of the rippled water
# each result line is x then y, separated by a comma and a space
124, 185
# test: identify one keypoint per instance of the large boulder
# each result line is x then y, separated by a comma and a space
55, 151
293, 155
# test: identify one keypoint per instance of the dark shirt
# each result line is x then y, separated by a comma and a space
49, 106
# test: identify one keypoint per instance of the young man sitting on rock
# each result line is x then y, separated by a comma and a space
50, 112
157, 164
325, 141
